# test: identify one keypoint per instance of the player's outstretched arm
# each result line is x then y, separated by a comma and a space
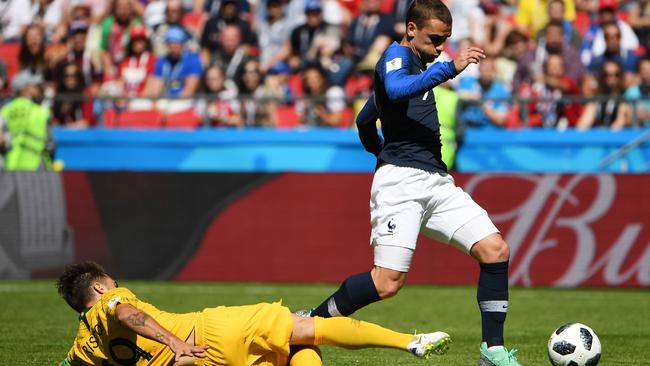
144, 325
401, 85
367, 127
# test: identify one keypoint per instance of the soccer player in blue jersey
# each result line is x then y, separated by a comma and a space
412, 191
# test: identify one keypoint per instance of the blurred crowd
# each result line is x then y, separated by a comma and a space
575, 63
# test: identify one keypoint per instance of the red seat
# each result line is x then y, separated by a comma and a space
109, 118
140, 119
183, 119
9, 54
286, 116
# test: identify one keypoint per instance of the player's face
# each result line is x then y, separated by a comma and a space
429, 40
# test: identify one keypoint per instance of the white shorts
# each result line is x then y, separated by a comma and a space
406, 201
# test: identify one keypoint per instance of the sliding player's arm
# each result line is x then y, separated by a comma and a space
367, 127
400, 85
144, 325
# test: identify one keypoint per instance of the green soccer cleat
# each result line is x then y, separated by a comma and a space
426, 344
500, 357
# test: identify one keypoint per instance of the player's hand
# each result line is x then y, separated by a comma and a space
472, 55
181, 348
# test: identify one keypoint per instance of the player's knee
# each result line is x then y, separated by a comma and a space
388, 288
492, 249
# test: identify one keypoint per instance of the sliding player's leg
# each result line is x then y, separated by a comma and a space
352, 334
305, 356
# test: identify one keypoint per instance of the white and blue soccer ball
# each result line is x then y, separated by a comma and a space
574, 344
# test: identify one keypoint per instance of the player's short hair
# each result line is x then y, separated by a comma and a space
74, 285
422, 10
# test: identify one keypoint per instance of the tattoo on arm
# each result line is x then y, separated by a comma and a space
138, 319
160, 337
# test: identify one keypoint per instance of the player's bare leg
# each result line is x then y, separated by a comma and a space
383, 281
493, 254
353, 334
387, 281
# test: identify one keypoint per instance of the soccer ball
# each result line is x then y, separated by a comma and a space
574, 344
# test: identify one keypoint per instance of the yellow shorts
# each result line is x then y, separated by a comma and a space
246, 335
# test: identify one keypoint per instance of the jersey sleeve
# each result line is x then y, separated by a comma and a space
401, 85
367, 127
117, 296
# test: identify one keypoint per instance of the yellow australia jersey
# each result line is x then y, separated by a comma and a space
103, 340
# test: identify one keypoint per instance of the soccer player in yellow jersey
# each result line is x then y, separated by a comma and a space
116, 328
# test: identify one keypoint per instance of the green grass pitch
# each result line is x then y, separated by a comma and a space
37, 327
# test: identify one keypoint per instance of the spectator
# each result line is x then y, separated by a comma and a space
213, 7
532, 15
333, 12
96, 10
640, 22
177, 74
229, 14
611, 112
173, 17
256, 110
556, 13
370, 33
554, 85
400, 8
21, 13
76, 52
220, 108
640, 93
495, 30
594, 43
324, 104
69, 110
31, 55
24, 125
312, 40
489, 113
614, 52
469, 21
136, 69
276, 83
530, 67
115, 35
230, 54
514, 49
273, 32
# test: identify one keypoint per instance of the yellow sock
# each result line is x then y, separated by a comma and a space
306, 356
351, 333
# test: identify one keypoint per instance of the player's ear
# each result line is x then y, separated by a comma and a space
99, 287
411, 28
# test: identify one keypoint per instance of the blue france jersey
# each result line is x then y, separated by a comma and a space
405, 104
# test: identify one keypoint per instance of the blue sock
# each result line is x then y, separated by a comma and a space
355, 292
492, 298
